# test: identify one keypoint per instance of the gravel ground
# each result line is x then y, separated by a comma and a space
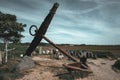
51, 69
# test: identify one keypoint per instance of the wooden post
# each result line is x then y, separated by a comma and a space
40, 50
6, 51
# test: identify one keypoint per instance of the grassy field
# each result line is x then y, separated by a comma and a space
21, 48
114, 49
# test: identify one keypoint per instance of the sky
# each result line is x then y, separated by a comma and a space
92, 22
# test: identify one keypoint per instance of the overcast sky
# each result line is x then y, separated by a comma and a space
75, 22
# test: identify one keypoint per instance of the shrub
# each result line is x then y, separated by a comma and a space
117, 65
103, 54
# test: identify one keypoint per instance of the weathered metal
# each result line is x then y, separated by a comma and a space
71, 57
40, 33
30, 29
42, 30
77, 67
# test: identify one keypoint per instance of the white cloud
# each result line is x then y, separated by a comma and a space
93, 22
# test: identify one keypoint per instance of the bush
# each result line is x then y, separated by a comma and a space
103, 54
117, 65
19, 49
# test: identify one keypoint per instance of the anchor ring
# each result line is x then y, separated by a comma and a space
35, 29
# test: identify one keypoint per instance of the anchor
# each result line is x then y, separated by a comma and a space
40, 34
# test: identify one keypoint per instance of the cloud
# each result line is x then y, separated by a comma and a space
78, 21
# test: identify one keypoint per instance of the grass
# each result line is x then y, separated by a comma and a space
104, 54
19, 49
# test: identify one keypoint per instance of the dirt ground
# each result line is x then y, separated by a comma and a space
51, 69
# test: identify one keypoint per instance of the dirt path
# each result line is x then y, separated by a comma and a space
51, 69
102, 70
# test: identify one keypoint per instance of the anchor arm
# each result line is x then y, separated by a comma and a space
69, 56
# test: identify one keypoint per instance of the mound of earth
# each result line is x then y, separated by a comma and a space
51, 69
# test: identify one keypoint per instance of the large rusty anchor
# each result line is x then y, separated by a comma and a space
40, 33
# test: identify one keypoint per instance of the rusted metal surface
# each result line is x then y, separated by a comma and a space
71, 57
42, 30
74, 66
39, 34
35, 29
77, 67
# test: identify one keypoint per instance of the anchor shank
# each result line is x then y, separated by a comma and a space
42, 30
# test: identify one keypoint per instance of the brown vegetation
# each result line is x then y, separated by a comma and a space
115, 49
